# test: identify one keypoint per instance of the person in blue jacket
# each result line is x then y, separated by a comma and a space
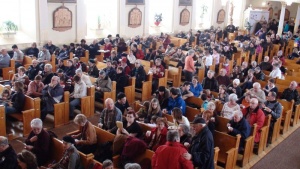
196, 87
175, 100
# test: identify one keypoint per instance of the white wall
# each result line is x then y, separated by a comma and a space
176, 17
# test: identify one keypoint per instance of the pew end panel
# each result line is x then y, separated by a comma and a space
85, 105
2, 121
191, 113
91, 93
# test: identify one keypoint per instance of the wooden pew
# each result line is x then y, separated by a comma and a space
85, 59
144, 127
57, 151
276, 129
2, 121
147, 155
216, 155
53, 58
286, 114
229, 146
146, 89
169, 118
61, 111
264, 131
248, 149
101, 65
191, 113
163, 80
130, 90
27, 61
195, 101
9, 71
30, 111
174, 76
91, 93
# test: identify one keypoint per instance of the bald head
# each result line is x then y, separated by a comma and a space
293, 85
4, 52
253, 103
109, 103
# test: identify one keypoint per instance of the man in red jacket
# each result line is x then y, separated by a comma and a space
170, 155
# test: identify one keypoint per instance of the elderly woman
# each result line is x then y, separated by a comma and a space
235, 88
130, 126
86, 140
70, 158
223, 96
17, 99
27, 160
185, 136
178, 118
230, 106
157, 136
38, 142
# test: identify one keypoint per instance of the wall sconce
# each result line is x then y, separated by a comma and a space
289, 2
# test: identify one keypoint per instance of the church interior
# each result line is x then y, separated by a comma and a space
71, 68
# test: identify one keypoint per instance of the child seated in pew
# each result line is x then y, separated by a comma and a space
142, 113
209, 95
205, 101
5, 97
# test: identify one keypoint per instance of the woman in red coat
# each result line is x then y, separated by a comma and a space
107, 48
158, 135
166, 41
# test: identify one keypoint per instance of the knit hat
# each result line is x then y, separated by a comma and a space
198, 120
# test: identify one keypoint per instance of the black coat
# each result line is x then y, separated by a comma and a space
32, 51
18, 100
202, 149
242, 127
139, 74
70, 71
93, 71
122, 81
33, 71
8, 159
211, 84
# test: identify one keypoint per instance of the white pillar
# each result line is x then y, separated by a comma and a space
281, 21
297, 19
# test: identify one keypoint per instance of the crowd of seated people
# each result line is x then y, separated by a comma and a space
218, 87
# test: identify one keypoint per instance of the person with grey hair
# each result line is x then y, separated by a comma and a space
184, 133
107, 48
291, 93
223, 78
235, 88
86, 139
239, 125
132, 166
102, 84
47, 74
266, 65
259, 75
276, 72
201, 150
172, 149
86, 79
257, 92
139, 73
8, 156
210, 82
189, 66
38, 141
52, 93
230, 106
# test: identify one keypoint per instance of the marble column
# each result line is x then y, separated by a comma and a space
281, 21
297, 19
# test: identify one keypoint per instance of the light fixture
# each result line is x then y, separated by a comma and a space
263, 3
224, 2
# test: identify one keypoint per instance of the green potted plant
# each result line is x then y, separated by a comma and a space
9, 27
203, 10
158, 19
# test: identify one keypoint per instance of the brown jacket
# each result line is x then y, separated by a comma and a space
87, 134
104, 84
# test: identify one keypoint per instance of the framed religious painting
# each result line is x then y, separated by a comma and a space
135, 2
185, 2
184, 17
62, 19
61, 1
221, 16
135, 18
